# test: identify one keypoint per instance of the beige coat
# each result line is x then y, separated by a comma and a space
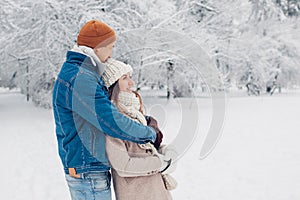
135, 172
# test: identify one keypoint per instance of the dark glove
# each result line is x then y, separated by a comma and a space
159, 136
152, 123
158, 140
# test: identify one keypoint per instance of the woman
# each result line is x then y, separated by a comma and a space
136, 168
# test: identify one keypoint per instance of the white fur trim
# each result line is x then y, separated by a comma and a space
91, 54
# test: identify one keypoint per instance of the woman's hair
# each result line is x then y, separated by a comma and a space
113, 94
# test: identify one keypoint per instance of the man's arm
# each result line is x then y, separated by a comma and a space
91, 103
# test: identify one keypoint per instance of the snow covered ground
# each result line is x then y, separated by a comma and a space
257, 157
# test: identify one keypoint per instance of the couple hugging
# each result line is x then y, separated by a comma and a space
100, 125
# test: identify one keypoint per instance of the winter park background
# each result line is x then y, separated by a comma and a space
248, 50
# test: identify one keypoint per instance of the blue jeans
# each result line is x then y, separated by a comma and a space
90, 186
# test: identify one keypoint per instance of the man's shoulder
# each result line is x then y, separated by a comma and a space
74, 55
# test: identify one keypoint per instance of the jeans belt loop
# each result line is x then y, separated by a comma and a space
72, 172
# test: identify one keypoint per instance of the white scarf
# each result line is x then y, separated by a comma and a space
129, 104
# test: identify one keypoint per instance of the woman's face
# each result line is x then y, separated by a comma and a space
125, 83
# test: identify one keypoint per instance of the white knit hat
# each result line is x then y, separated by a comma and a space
114, 69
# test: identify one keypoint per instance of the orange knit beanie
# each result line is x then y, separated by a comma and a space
96, 33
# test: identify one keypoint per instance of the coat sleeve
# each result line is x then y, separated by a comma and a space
130, 166
90, 102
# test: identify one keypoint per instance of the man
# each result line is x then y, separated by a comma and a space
83, 114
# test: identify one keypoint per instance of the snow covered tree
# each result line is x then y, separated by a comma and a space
207, 41
35, 46
290, 8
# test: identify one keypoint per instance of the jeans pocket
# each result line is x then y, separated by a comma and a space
100, 182
71, 179
77, 188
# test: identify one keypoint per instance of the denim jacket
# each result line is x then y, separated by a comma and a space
83, 114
